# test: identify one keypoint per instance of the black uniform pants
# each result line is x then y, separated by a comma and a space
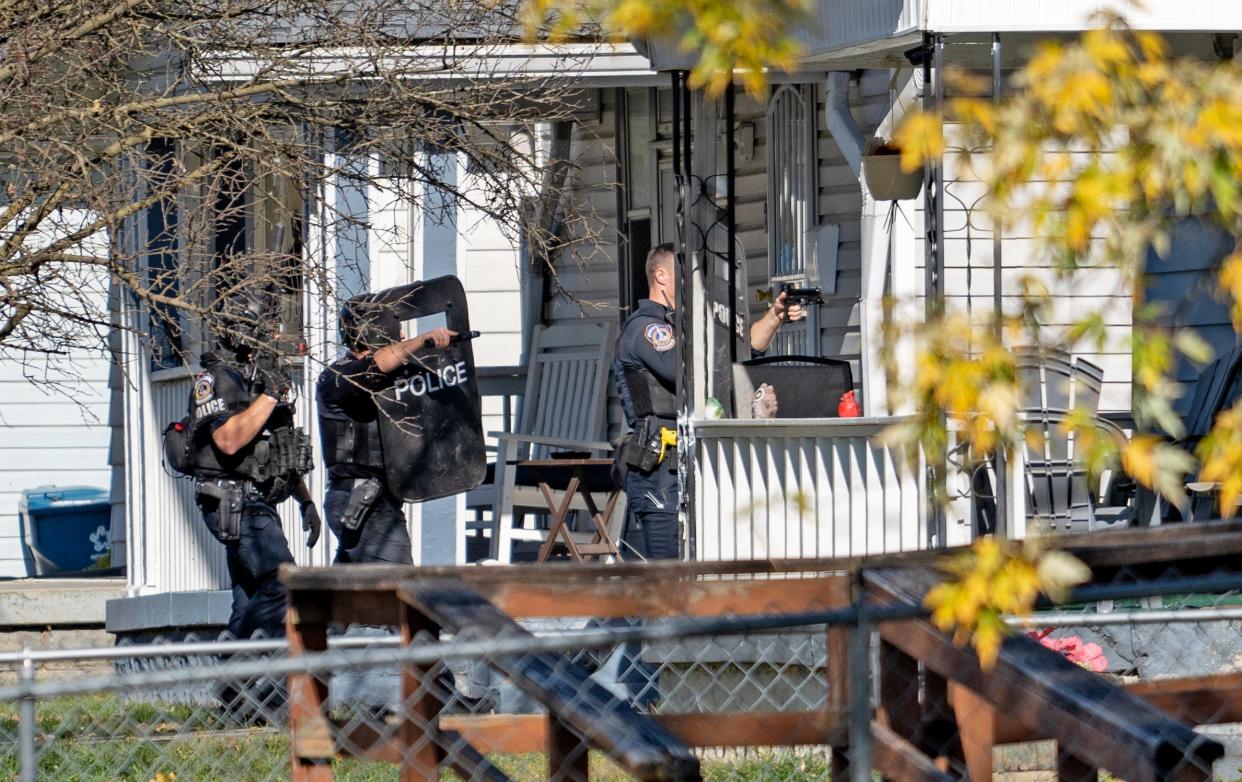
253, 559
651, 521
383, 537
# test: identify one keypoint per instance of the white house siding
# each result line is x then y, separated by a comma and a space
48, 437
584, 288
54, 410
1069, 15
407, 244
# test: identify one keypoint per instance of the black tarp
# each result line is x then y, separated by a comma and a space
430, 423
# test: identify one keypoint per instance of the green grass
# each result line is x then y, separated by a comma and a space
103, 737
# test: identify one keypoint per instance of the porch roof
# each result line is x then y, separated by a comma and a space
850, 34
586, 64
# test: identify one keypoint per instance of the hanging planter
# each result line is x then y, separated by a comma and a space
882, 172
665, 52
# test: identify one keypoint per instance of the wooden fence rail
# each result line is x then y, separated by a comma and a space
1140, 732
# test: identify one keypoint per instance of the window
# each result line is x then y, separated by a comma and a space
791, 181
256, 242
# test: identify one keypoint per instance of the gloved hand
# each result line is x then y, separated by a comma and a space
271, 378
311, 523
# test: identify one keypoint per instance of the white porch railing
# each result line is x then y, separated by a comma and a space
804, 488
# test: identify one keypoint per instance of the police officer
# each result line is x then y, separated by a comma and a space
366, 517
646, 368
246, 457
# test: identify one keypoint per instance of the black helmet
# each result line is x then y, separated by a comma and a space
368, 325
244, 322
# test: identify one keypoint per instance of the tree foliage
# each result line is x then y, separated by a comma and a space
995, 578
1101, 146
731, 39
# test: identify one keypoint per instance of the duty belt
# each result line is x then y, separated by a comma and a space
232, 495
248, 488
648, 444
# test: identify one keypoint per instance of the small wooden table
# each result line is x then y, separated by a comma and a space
568, 477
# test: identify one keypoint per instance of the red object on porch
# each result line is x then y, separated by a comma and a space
848, 407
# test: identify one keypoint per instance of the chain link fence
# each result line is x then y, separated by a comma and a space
1123, 676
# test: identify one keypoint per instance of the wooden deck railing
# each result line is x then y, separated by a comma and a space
1142, 732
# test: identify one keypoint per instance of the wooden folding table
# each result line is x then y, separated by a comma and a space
567, 477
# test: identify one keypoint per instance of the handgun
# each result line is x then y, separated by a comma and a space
802, 296
453, 340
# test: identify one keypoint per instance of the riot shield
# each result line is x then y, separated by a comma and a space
429, 418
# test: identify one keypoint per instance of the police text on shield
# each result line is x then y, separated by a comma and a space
431, 382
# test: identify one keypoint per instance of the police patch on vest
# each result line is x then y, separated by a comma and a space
660, 335
204, 387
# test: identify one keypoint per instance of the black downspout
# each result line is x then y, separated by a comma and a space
676, 89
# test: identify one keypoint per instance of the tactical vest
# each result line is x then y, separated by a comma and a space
642, 394
647, 395
351, 442
275, 462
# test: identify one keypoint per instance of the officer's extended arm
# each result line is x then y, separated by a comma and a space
395, 355
241, 428
763, 331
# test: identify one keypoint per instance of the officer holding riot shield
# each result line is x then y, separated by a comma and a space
363, 511
246, 457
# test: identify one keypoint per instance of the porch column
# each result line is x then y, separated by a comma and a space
706, 243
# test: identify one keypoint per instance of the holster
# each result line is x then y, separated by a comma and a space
363, 498
231, 496
642, 446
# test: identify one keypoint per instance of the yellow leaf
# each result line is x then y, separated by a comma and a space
1231, 281
976, 111
1158, 465
920, 137
1138, 458
995, 578
988, 637
1059, 572
1105, 47
1221, 452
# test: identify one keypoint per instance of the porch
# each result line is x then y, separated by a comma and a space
788, 202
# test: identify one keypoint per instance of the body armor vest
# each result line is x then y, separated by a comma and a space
351, 442
642, 394
275, 461
648, 396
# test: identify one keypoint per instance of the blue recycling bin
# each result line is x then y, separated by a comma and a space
67, 527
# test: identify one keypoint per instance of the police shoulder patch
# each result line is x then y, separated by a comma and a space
660, 335
204, 387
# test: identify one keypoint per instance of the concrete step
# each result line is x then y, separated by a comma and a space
56, 602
